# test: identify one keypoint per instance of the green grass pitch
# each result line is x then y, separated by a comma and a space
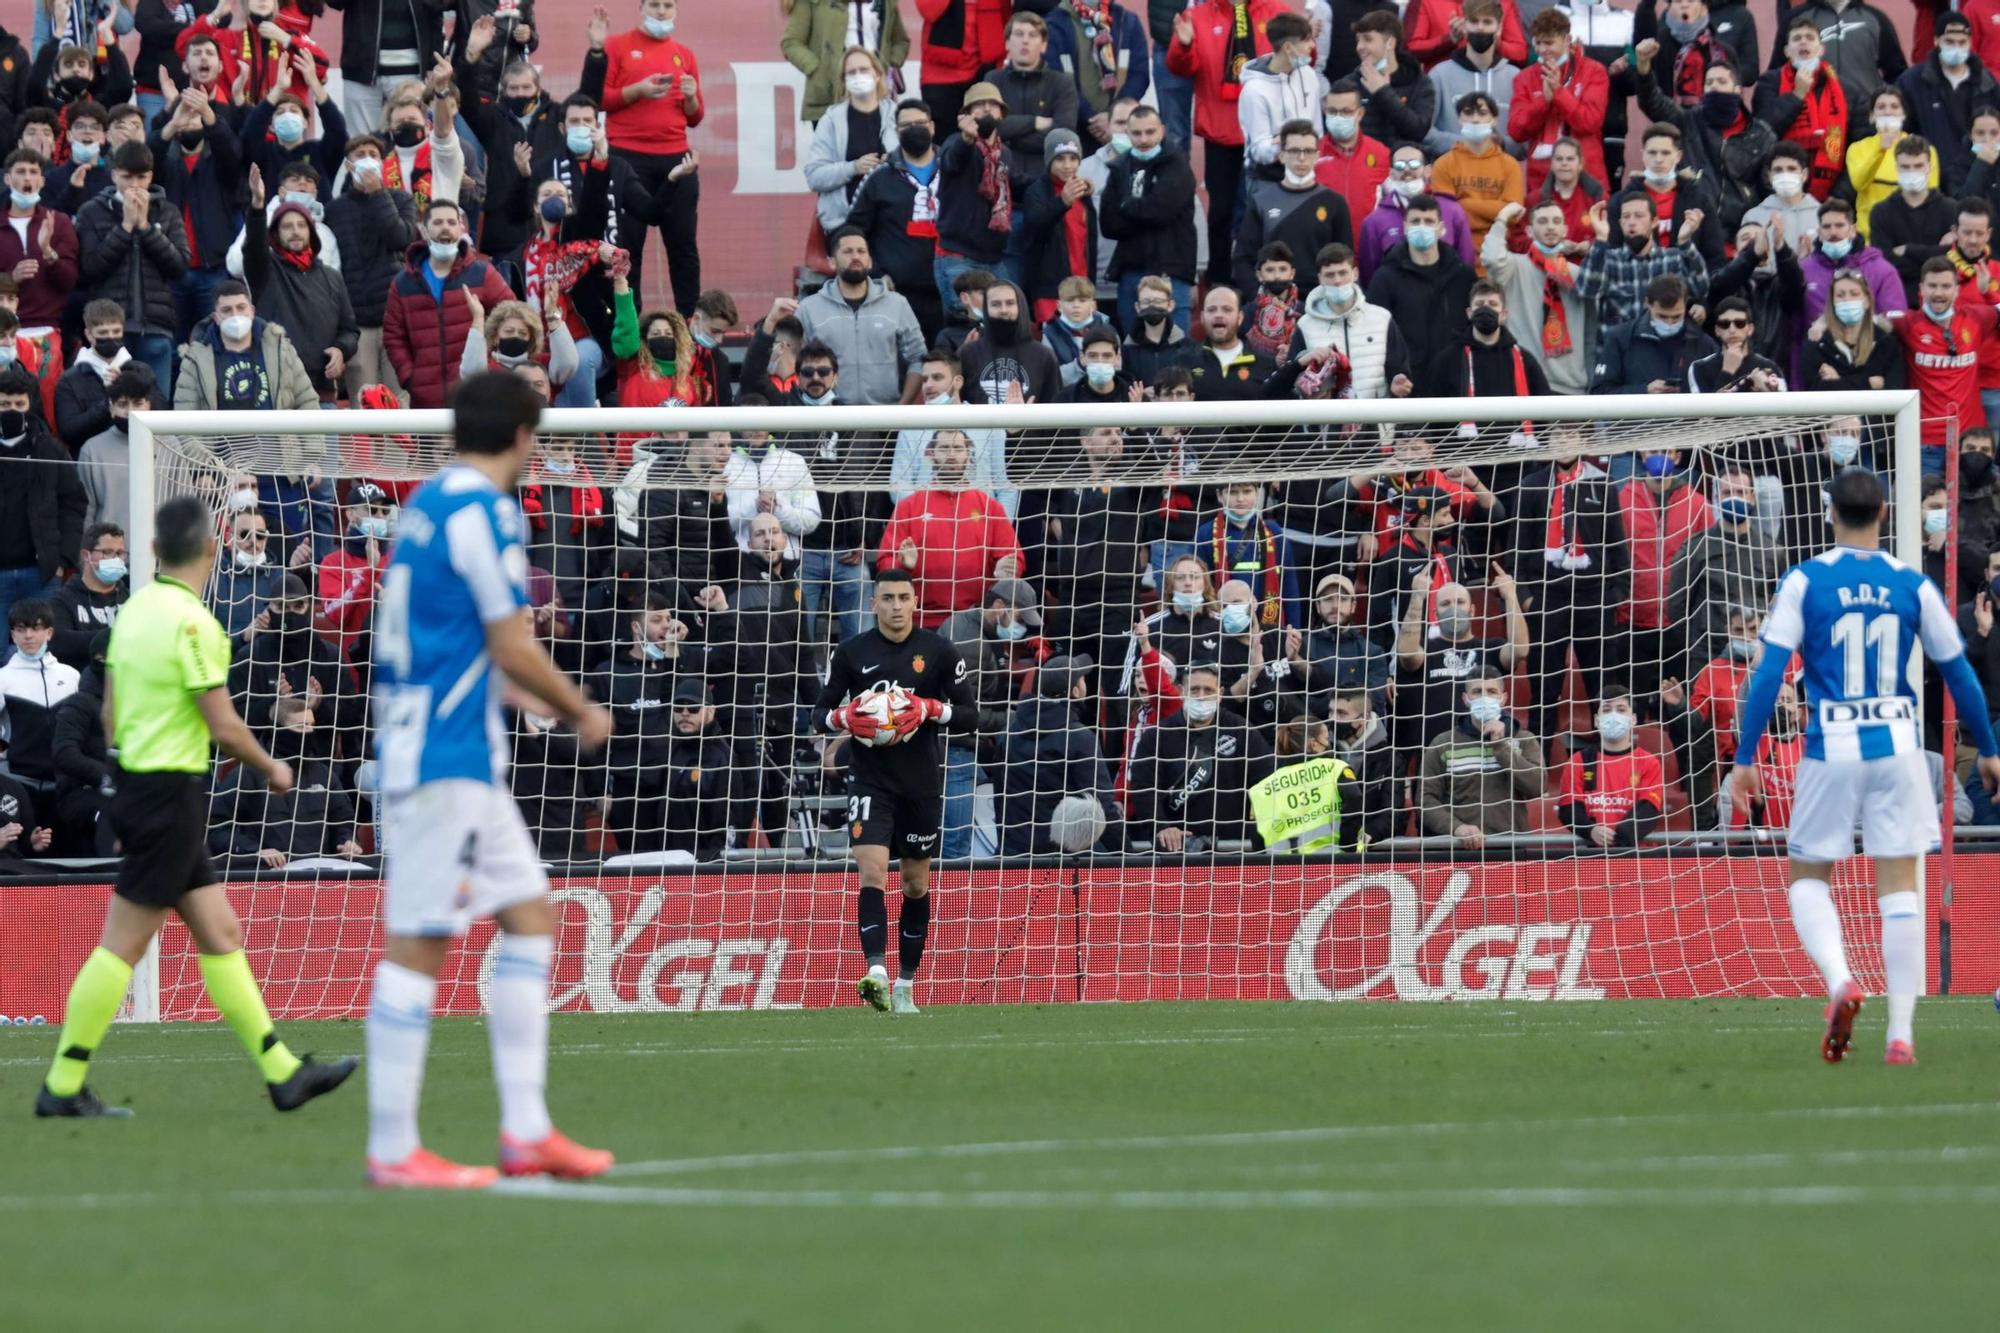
1619, 1166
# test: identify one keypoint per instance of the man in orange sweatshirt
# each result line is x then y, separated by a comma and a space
954, 540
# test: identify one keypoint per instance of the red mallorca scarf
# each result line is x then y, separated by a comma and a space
420, 174
1821, 126
1557, 274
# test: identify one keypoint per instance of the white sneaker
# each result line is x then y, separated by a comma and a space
874, 988
903, 1000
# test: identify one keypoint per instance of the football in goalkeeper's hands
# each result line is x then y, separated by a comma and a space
885, 708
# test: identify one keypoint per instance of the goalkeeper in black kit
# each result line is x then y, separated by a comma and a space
895, 770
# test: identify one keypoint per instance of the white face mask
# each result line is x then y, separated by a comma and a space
249, 559
1406, 189
1614, 727
235, 326
1485, 710
1298, 179
1787, 184
1888, 125
1201, 710
1915, 182
860, 85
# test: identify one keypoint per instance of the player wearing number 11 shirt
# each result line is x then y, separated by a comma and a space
895, 772
1855, 615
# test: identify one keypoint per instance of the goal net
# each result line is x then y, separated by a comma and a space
1318, 699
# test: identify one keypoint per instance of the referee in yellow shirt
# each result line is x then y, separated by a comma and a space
166, 698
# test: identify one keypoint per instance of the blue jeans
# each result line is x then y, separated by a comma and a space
826, 582
194, 301
157, 351
945, 268
1176, 96
16, 584
961, 776
1128, 302
581, 388
1933, 459
150, 107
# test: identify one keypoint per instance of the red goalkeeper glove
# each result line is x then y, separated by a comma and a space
926, 710
855, 723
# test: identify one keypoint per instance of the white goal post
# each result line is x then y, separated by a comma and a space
1538, 913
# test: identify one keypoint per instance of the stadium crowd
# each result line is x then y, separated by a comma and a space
1081, 202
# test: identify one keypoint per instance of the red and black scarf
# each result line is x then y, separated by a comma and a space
995, 187
420, 174
1271, 607
1821, 125
1241, 51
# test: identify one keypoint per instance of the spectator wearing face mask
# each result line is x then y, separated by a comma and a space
1279, 89
1803, 100
1239, 542
1718, 688
1409, 180
1720, 140
1339, 646
41, 498
1360, 739
1943, 92
1850, 346
1478, 777
291, 658
32, 684
1841, 248
1059, 219
1662, 513
350, 574
89, 602
431, 293
245, 581
1938, 541
896, 210
38, 248
995, 639
852, 138
766, 675
514, 120
1350, 163
1978, 489
1006, 362
1295, 211
83, 402
104, 464
237, 361
65, 72
1778, 756
1436, 658
134, 250
1476, 172
1266, 674
1192, 774
1149, 210
1732, 563
1423, 284
1612, 792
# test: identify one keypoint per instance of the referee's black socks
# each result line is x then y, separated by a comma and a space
912, 929
872, 915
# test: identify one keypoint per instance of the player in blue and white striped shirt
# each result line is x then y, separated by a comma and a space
1855, 614
452, 632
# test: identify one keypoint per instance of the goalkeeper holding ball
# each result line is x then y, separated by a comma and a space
884, 690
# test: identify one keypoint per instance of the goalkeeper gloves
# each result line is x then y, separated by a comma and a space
854, 722
926, 710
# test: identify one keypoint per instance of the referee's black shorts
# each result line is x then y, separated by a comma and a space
161, 820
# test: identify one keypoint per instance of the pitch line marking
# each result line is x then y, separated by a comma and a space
1813, 1196
1252, 1138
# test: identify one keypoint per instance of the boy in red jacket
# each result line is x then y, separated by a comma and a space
954, 540
1561, 95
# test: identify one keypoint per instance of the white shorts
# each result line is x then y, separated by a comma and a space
1890, 798
456, 850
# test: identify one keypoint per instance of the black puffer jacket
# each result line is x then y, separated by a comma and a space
310, 304
361, 36
137, 269
375, 232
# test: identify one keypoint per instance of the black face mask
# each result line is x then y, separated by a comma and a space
518, 107
1485, 319
12, 423
1637, 244
1975, 469
1721, 109
513, 346
916, 139
408, 134
192, 140
1350, 731
106, 347
73, 87
294, 622
986, 125
1278, 288
662, 347
1480, 42
1002, 332
1152, 317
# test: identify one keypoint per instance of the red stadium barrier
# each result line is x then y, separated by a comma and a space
1588, 928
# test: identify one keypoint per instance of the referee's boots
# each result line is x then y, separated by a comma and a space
310, 1080
81, 1103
